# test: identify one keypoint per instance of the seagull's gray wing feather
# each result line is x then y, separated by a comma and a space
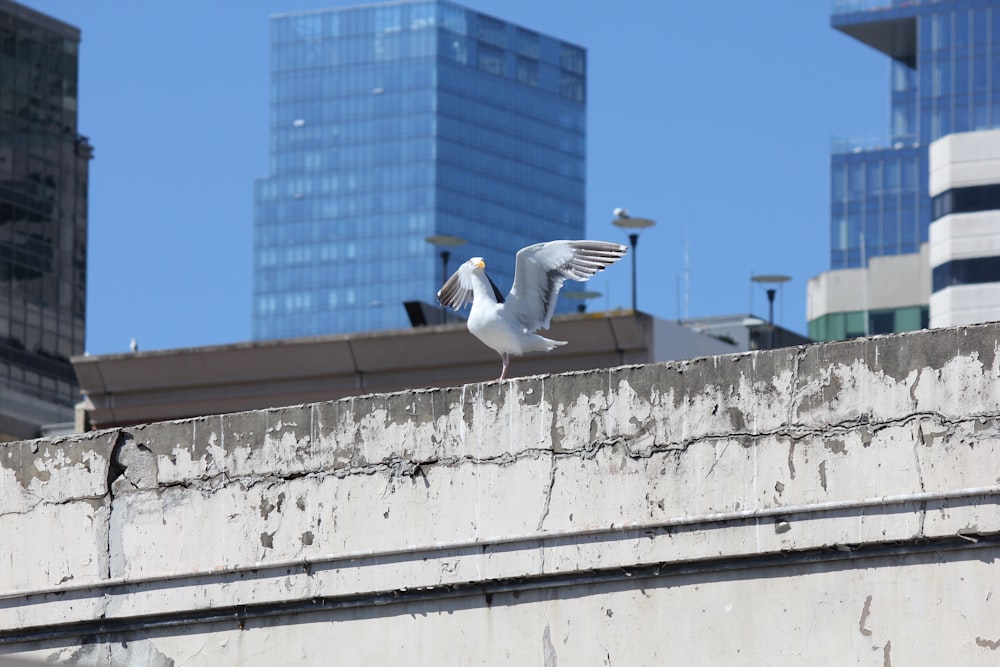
457, 290
541, 270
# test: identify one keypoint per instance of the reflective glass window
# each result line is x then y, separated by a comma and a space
454, 19
892, 180
528, 44
941, 31
571, 58
491, 31
873, 178
855, 179
571, 87
961, 27
490, 60
388, 18
527, 72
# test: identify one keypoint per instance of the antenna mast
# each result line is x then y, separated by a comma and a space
687, 273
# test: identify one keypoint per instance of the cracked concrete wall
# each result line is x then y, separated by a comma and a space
835, 500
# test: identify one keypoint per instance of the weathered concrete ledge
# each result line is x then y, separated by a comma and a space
599, 483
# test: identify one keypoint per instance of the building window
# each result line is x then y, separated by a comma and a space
527, 44
844, 326
527, 72
966, 200
971, 271
422, 16
881, 322
572, 58
490, 60
454, 19
492, 31
388, 19
571, 87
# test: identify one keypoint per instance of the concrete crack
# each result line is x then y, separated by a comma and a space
865, 613
115, 470
115, 467
920, 441
548, 494
719, 458
396, 467
793, 400
917, 444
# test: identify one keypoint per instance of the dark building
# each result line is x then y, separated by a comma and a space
43, 221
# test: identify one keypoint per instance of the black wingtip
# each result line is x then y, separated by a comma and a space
496, 292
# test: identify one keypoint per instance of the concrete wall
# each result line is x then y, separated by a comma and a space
834, 504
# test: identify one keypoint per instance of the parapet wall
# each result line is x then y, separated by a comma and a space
836, 502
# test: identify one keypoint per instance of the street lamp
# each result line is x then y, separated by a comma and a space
632, 227
582, 296
767, 280
445, 241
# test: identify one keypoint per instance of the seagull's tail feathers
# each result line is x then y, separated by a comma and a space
542, 344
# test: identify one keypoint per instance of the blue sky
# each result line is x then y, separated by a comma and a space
713, 118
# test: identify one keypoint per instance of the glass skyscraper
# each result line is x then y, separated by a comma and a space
43, 221
396, 122
944, 78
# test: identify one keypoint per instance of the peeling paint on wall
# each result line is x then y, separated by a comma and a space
643, 479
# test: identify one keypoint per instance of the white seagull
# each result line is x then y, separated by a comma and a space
508, 325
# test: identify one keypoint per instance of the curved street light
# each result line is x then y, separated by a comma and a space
632, 227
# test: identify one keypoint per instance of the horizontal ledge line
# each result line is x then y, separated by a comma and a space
719, 517
239, 613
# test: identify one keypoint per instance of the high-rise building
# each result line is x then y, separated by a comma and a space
965, 234
944, 78
43, 221
396, 122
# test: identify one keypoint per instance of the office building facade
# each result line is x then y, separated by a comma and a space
944, 78
965, 232
44, 165
398, 122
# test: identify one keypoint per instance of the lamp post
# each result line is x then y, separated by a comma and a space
445, 241
632, 227
768, 281
582, 296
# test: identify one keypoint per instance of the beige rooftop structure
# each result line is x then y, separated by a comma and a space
135, 388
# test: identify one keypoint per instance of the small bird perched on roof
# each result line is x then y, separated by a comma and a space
508, 325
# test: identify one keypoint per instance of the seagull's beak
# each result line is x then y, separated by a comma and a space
480, 264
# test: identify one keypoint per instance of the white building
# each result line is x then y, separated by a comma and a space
965, 232
889, 295
956, 274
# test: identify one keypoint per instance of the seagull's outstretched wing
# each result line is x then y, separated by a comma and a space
457, 290
541, 270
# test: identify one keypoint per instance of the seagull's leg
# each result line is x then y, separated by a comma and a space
506, 362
